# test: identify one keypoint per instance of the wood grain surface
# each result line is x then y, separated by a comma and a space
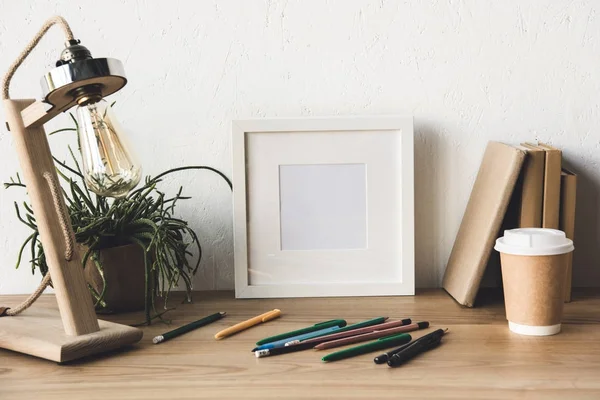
479, 359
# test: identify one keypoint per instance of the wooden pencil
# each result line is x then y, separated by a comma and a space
372, 335
353, 332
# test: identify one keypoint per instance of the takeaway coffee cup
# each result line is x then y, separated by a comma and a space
534, 265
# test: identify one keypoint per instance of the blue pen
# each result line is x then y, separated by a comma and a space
310, 335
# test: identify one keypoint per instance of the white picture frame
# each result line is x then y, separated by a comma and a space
294, 179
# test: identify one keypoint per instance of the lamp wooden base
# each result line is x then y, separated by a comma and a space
40, 333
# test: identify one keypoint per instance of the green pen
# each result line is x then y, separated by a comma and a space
363, 324
379, 344
358, 325
309, 329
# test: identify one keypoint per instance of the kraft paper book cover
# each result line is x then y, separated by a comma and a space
482, 220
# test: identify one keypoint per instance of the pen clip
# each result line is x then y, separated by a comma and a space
271, 315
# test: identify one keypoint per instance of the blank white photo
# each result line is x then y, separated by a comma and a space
323, 207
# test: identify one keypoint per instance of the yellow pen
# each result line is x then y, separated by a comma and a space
248, 323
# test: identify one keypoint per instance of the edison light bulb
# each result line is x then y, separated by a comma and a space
109, 168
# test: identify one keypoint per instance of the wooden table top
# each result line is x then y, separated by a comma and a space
479, 357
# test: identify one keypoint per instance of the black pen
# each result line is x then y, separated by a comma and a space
383, 358
421, 345
189, 327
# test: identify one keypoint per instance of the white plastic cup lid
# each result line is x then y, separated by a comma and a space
534, 242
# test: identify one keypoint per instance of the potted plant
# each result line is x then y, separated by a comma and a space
134, 249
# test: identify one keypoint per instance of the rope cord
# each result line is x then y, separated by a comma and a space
30, 46
63, 218
11, 312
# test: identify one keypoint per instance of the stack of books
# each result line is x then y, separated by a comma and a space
541, 194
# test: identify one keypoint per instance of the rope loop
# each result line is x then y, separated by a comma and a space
57, 20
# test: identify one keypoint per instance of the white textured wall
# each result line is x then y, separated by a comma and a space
469, 71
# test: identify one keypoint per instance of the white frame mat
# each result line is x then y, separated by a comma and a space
323, 207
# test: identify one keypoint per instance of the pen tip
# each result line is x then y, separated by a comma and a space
254, 349
223, 313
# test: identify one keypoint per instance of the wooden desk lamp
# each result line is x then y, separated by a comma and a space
81, 80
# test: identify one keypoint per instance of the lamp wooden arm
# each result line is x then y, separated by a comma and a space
38, 113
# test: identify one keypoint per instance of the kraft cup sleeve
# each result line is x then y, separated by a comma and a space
533, 288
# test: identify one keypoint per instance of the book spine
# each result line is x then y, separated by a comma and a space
567, 221
532, 191
552, 189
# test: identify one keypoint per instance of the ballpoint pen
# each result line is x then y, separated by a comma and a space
291, 335
420, 346
372, 335
383, 358
309, 335
353, 330
350, 330
248, 323
375, 345
364, 324
189, 327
